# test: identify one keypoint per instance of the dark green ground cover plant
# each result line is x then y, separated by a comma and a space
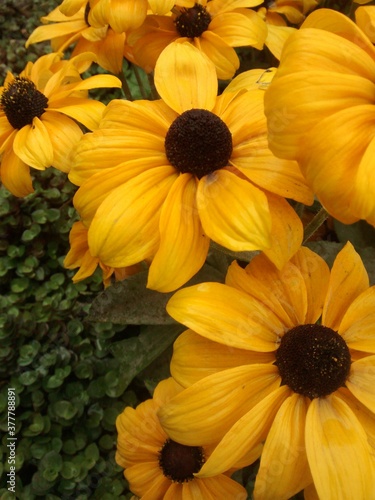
75, 355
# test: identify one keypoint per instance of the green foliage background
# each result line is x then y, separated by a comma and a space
76, 355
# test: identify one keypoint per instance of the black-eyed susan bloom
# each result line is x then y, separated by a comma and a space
215, 27
79, 256
312, 403
39, 111
160, 179
98, 26
319, 109
159, 468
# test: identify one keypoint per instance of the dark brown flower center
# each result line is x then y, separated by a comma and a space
21, 102
179, 462
192, 22
198, 142
313, 360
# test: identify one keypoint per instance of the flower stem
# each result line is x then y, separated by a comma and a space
315, 224
125, 87
139, 82
154, 92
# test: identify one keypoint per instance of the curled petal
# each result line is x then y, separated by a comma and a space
32, 145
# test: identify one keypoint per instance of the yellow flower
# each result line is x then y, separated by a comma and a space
162, 178
79, 256
215, 27
159, 468
320, 112
294, 10
311, 396
365, 19
64, 30
38, 114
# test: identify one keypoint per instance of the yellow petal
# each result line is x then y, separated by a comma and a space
106, 149
85, 111
195, 357
32, 145
220, 53
185, 78
125, 230
161, 7
247, 224
210, 488
100, 185
282, 290
226, 315
316, 274
361, 381
284, 470
147, 480
365, 416
183, 245
226, 395
276, 38
337, 449
357, 325
365, 19
51, 31
246, 433
336, 22
253, 79
262, 287
287, 231
348, 280
15, 174
240, 28
363, 204
65, 135
343, 193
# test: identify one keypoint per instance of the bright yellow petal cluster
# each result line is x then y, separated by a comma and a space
215, 27
142, 197
39, 111
79, 256
158, 467
320, 112
229, 363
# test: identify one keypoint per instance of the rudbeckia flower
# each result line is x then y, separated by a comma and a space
215, 27
98, 26
310, 398
39, 111
160, 179
319, 109
79, 256
157, 467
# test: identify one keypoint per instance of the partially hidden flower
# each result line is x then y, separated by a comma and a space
215, 27
310, 396
319, 111
158, 467
39, 111
160, 179
79, 256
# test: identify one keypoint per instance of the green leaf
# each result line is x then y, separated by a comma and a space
360, 234
129, 302
19, 285
137, 353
